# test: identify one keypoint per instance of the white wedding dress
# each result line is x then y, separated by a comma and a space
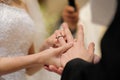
16, 36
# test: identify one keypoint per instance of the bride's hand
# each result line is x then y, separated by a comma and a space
68, 38
52, 56
52, 41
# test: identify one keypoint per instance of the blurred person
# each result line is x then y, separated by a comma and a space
70, 15
53, 7
83, 15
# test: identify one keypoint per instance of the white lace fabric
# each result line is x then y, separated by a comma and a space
16, 36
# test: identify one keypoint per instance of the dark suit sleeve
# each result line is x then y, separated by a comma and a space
75, 70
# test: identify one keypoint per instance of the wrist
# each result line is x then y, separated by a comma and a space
37, 58
40, 58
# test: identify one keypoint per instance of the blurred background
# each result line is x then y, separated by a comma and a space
47, 15
52, 12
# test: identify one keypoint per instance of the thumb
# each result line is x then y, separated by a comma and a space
91, 48
96, 59
62, 49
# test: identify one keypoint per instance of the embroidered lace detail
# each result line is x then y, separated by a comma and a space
16, 36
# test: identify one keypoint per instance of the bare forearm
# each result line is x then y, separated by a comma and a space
8, 65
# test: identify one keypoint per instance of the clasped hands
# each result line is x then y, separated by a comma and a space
63, 48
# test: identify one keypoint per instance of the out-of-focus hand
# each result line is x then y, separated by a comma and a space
71, 16
78, 50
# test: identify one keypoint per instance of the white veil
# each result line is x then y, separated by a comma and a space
34, 10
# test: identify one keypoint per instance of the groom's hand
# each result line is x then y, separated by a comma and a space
55, 69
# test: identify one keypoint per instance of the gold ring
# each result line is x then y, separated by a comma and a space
58, 37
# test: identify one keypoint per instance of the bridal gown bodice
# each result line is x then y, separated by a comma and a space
16, 36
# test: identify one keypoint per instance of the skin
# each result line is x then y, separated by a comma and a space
46, 57
49, 56
77, 51
32, 62
71, 17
